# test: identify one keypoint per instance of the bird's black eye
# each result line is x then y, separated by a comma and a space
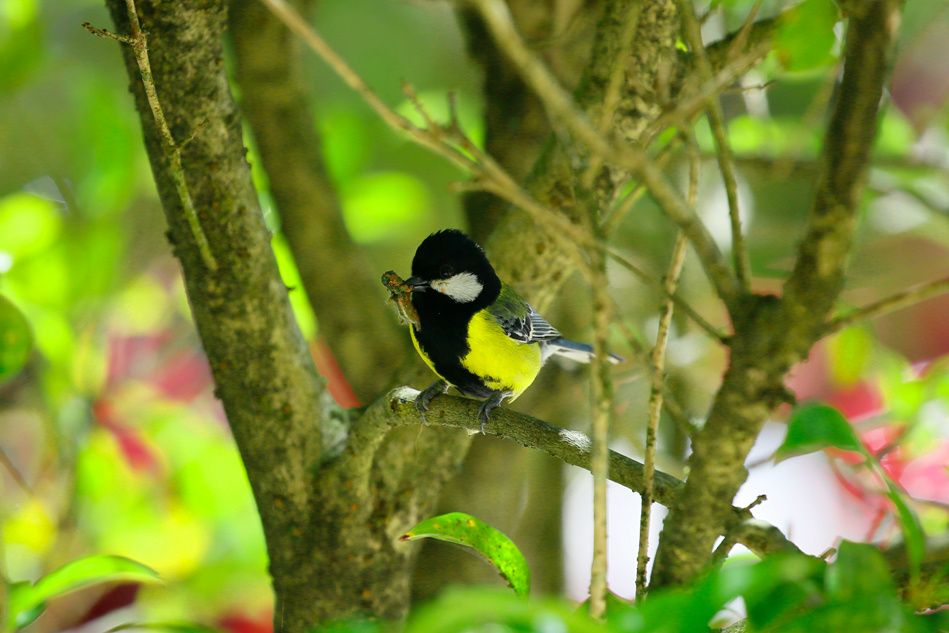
446, 271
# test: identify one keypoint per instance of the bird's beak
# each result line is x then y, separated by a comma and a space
417, 284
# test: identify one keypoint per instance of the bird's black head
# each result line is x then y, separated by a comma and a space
451, 271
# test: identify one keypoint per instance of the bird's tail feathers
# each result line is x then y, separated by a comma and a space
579, 352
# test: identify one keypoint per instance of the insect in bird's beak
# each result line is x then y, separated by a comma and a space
417, 284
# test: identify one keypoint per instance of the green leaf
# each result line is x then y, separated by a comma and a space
488, 609
805, 37
26, 601
16, 340
859, 572
914, 539
859, 595
814, 427
487, 541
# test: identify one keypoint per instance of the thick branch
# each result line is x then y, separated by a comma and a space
397, 409
772, 334
262, 369
563, 110
335, 273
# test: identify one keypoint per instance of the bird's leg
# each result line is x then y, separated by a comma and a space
489, 405
424, 398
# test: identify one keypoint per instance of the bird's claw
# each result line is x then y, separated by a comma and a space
489, 405
425, 397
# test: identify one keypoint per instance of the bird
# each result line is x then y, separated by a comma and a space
473, 330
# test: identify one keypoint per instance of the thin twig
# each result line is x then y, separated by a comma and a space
612, 219
726, 163
699, 320
107, 34
889, 304
672, 406
600, 427
139, 45
688, 104
291, 18
658, 362
15, 473
561, 107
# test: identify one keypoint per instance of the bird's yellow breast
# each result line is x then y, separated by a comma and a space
500, 361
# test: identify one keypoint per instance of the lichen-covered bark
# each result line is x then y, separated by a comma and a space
263, 373
342, 289
771, 334
537, 262
516, 126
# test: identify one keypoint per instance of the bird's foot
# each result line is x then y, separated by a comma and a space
489, 405
424, 398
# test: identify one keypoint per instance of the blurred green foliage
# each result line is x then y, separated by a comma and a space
114, 443
781, 594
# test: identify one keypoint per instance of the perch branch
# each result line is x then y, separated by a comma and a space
397, 409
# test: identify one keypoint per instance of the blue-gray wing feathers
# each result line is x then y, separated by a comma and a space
524, 324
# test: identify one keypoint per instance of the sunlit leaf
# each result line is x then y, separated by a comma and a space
814, 427
29, 224
384, 205
489, 542
16, 340
26, 598
30, 526
805, 35
849, 352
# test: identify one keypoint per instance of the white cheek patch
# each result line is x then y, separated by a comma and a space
463, 287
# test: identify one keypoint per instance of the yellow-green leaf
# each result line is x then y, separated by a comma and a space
26, 600
487, 541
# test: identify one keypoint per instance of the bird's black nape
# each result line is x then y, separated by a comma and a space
449, 252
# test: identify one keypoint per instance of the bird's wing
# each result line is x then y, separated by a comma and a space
519, 320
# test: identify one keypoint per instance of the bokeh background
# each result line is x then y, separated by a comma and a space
111, 440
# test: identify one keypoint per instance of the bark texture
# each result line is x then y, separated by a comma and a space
342, 290
771, 333
263, 371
